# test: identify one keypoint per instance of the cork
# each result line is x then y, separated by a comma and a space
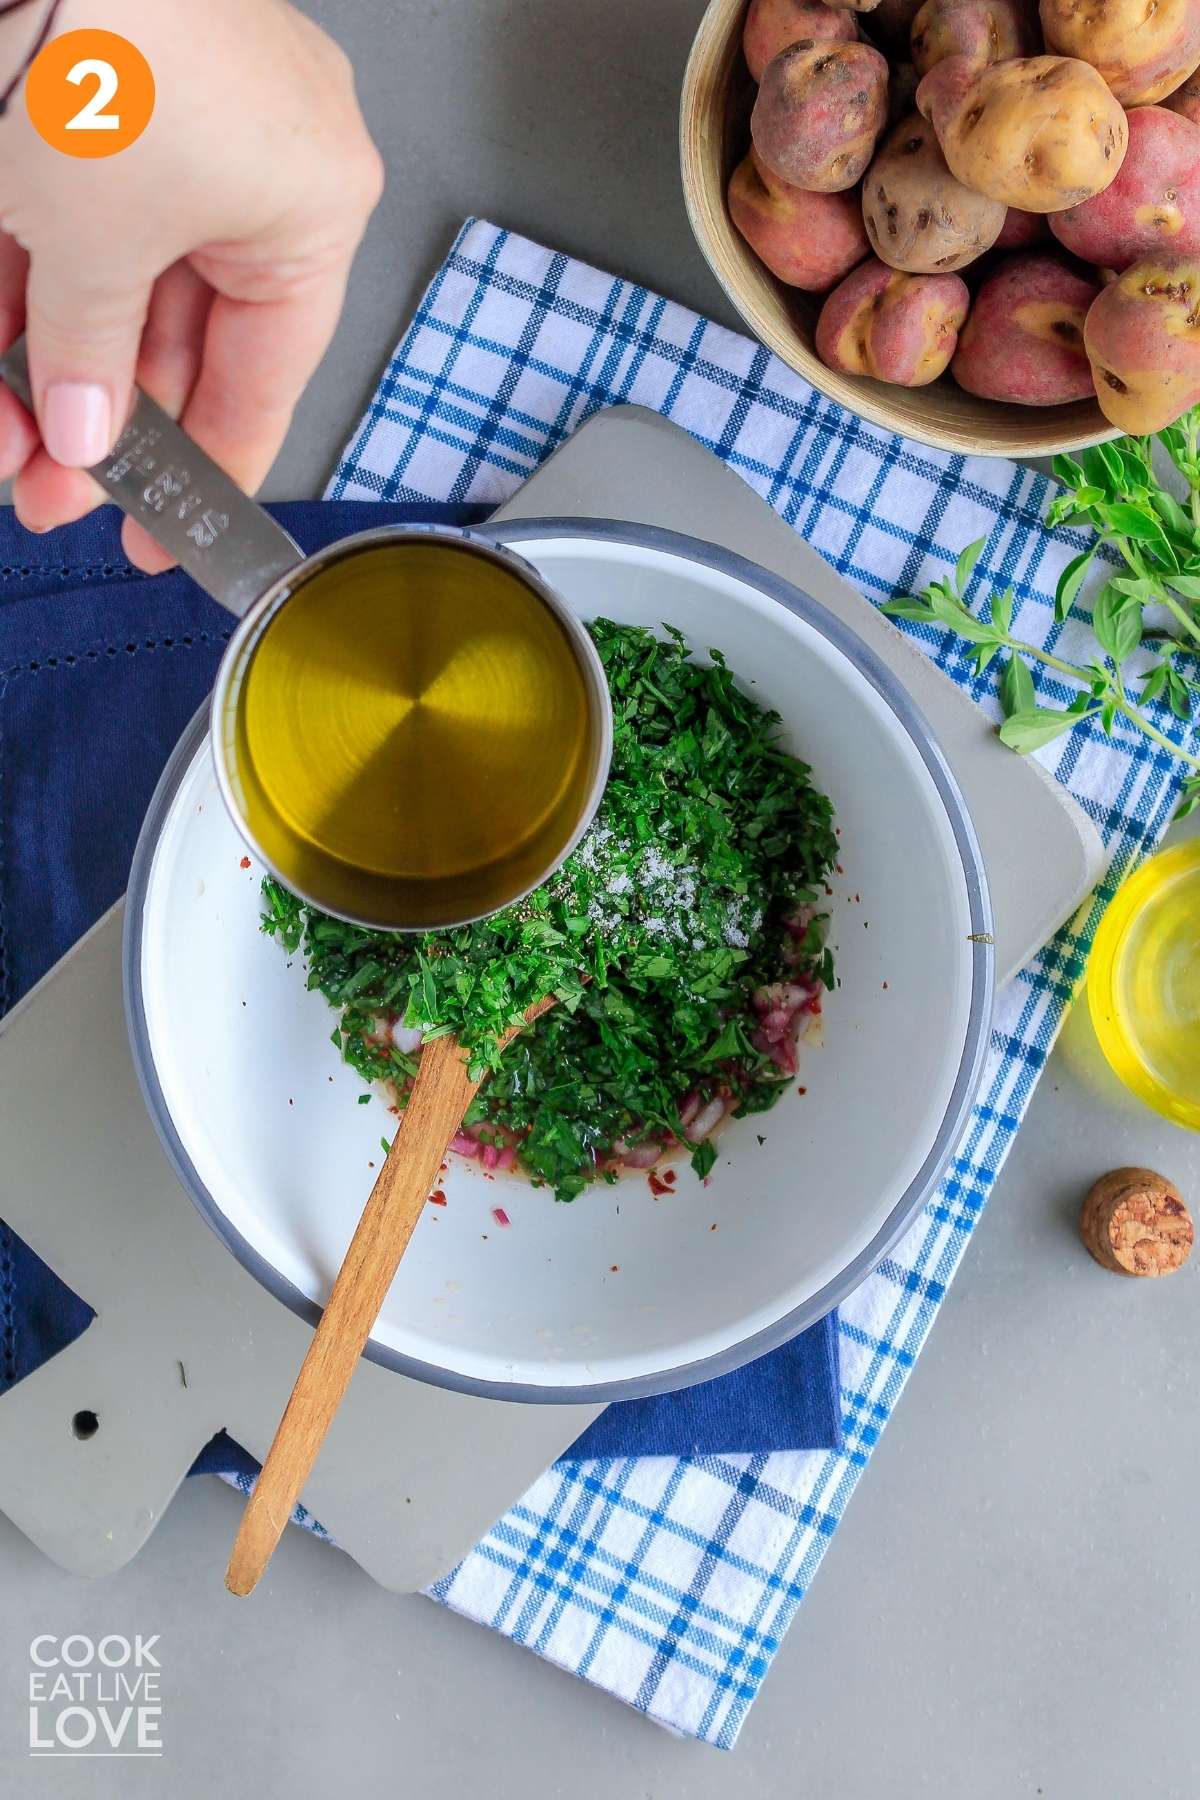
1134, 1222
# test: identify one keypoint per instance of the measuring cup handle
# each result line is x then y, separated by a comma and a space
156, 474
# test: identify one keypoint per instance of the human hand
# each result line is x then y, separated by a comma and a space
207, 261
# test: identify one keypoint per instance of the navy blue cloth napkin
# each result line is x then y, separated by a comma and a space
100, 670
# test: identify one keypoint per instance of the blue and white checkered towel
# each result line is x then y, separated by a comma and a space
671, 1582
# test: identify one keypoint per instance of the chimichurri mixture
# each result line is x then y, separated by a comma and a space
684, 940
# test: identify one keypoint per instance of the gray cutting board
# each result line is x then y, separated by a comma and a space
186, 1342
627, 463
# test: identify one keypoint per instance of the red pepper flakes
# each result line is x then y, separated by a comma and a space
437, 1198
615, 1269
245, 863
500, 1216
658, 1186
668, 1175
801, 1090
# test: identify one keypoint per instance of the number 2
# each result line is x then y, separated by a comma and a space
92, 116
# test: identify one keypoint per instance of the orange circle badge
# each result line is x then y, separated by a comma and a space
89, 93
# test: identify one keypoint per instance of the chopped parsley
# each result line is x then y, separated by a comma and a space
698, 885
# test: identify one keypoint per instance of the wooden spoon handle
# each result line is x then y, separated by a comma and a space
440, 1096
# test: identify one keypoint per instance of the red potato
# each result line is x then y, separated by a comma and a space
918, 217
896, 327
807, 240
771, 25
1186, 99
1021, 229
1153, 206
1040, 132
1023, 342
818, 113
988, 31
1142, 48
1143, 339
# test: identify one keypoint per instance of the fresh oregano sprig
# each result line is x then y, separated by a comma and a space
1152, 602
1114, 491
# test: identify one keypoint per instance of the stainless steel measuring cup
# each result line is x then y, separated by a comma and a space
358, 866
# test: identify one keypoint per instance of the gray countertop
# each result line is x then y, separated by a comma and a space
1010, 1607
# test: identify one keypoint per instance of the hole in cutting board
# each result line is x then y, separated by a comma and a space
85, 1425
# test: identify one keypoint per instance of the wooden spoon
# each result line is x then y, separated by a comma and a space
440, 1096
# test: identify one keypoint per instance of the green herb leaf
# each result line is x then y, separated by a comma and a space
1175, 520
1026, 731
1117, 622
965, 566
1016, 687
703, 1158
1133, 522
1070, 582
1000, 609
908, 606
1190, 799
950, 611
1179, 697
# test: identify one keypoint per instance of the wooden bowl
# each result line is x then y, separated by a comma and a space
714, 128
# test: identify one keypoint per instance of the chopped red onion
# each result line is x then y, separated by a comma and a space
706, 1120
639, 1156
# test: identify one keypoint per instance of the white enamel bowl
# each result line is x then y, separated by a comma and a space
618, 1294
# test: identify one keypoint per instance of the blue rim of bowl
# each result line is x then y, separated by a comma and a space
733, 1356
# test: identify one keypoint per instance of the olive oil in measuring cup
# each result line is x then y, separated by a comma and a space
415, 733
1144, 983
409, 727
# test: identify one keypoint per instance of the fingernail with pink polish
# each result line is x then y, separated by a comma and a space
77, 423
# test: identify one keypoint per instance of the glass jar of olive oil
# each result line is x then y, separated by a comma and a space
1144, 983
